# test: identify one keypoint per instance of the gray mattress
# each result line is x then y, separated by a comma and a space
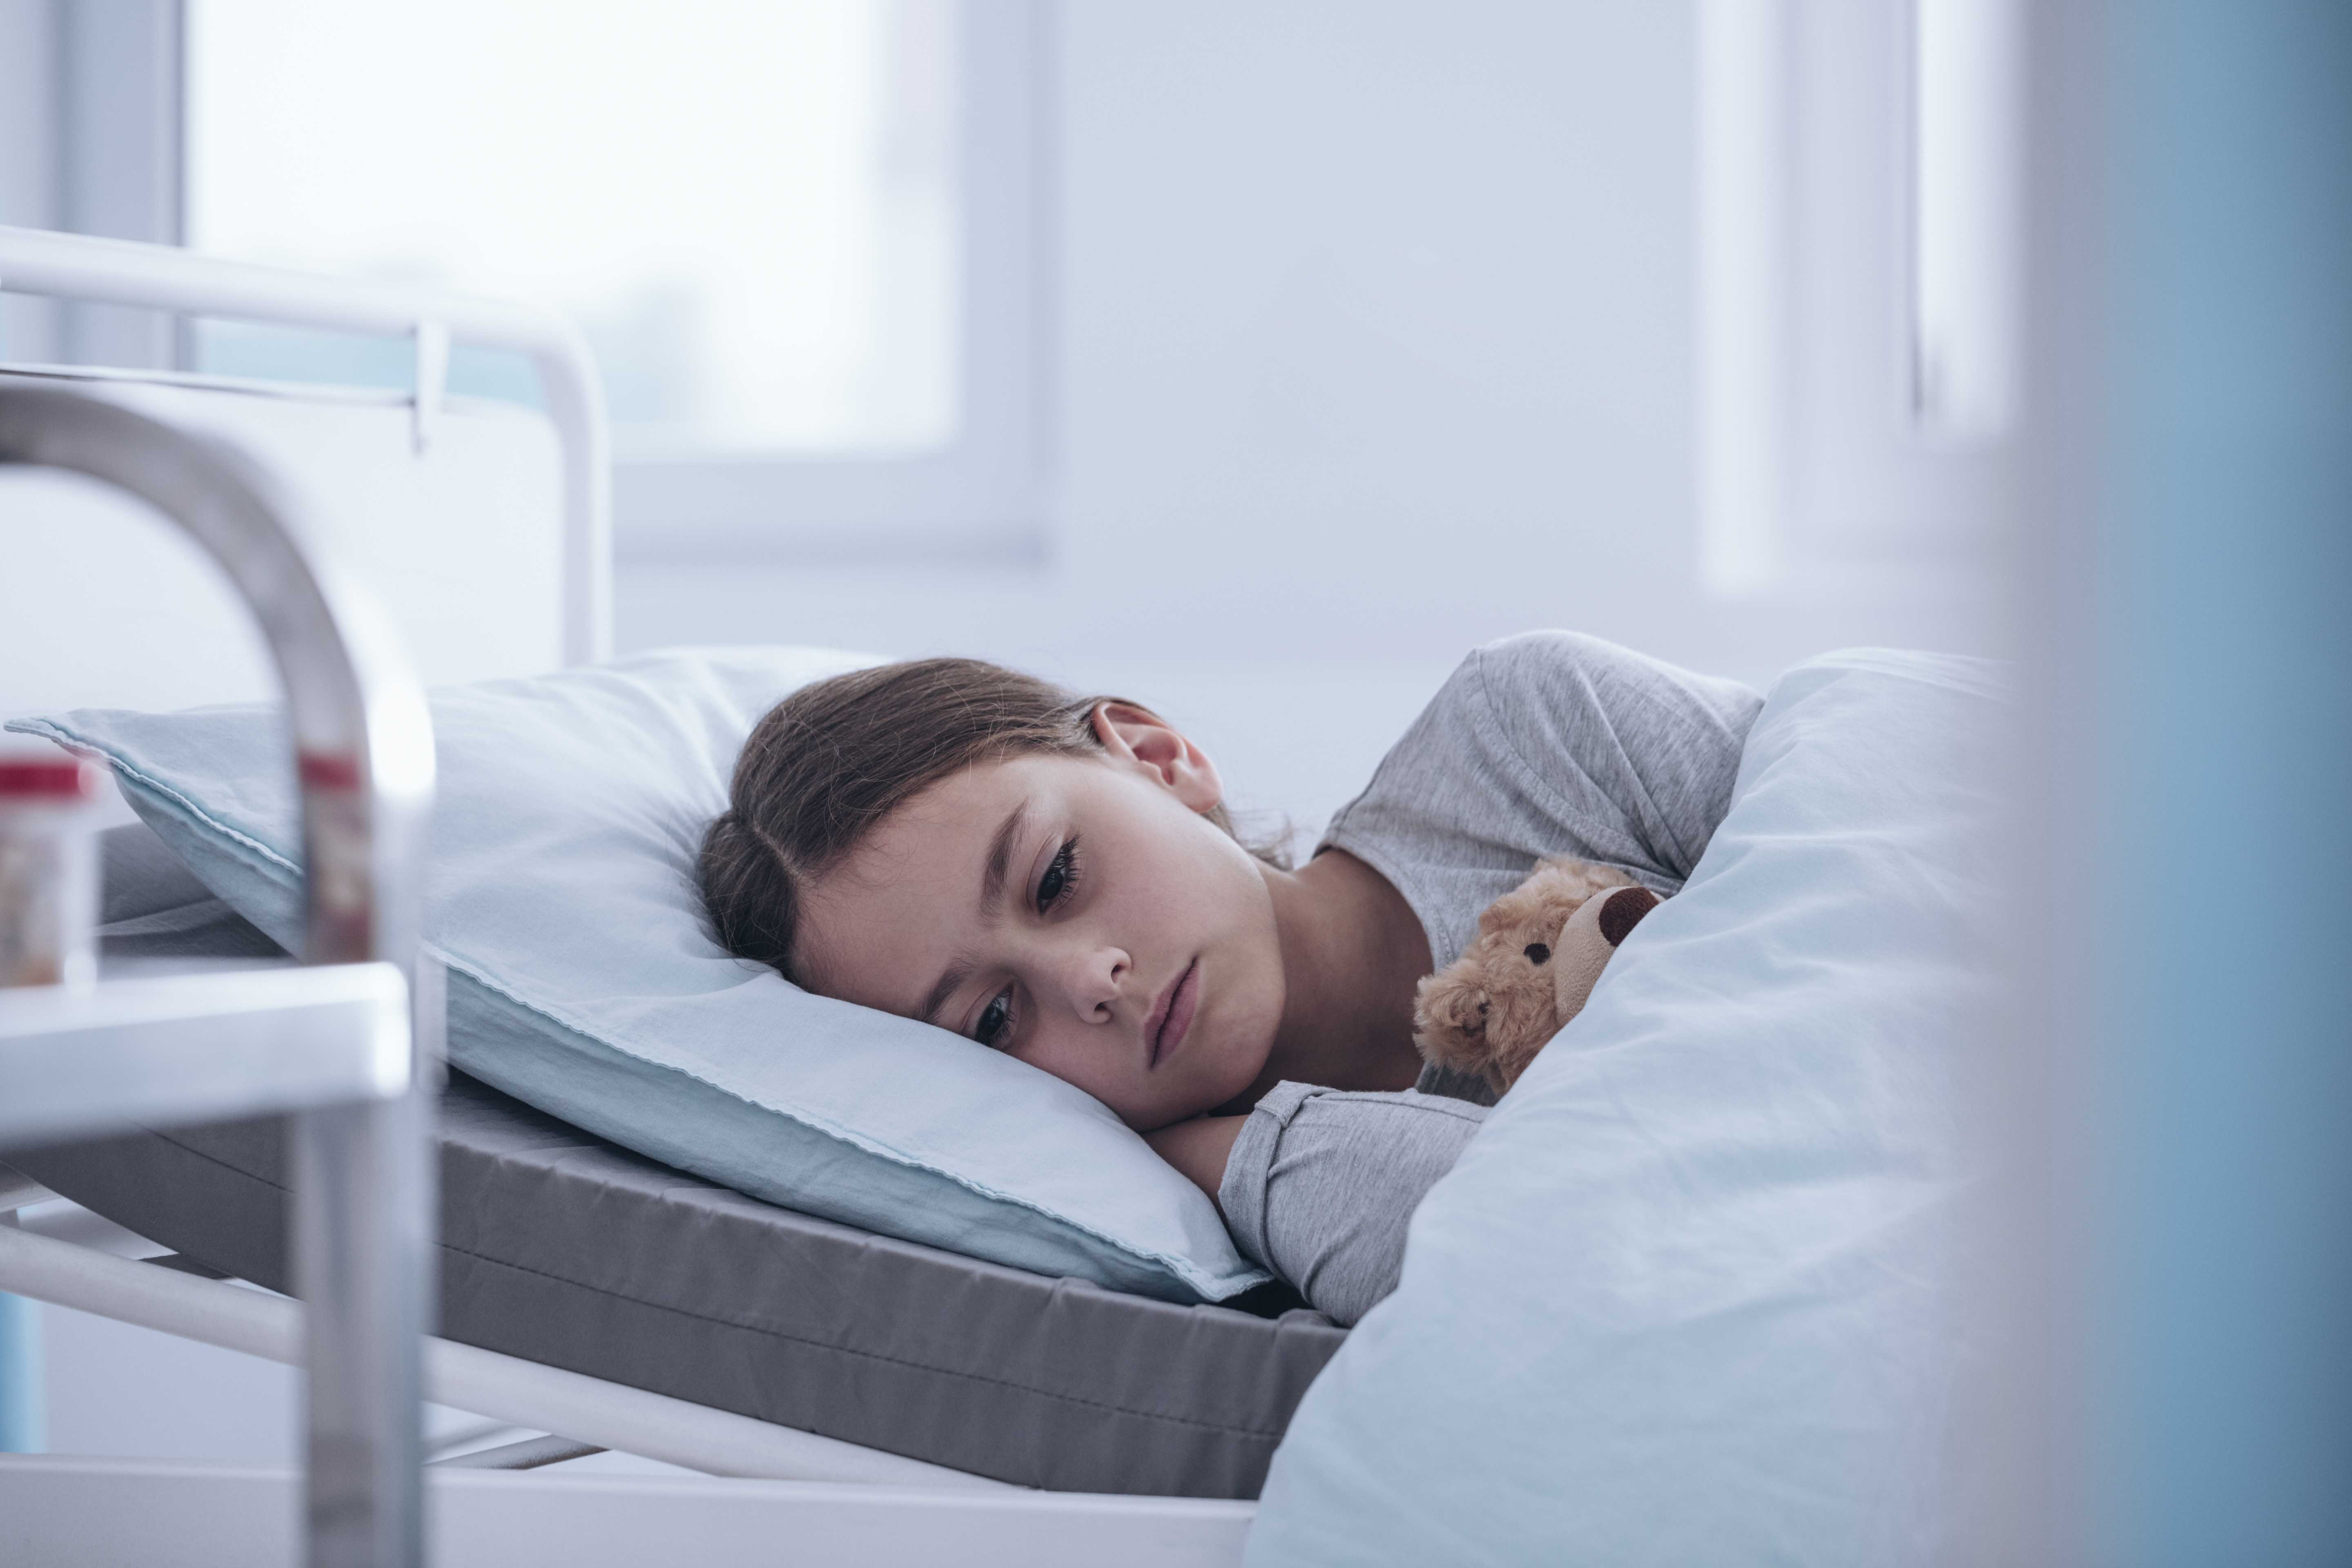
562, 1248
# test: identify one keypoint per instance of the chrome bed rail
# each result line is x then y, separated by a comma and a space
593, 1413
363, 750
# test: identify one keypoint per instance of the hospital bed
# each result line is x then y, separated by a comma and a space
900, 1401
1696, 1292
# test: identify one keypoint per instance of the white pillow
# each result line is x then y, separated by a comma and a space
1685, 1299
560, 890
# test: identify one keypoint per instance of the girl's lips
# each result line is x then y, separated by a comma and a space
1173, 1014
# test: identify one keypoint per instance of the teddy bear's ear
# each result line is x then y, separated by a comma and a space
1622, 911
1591, 934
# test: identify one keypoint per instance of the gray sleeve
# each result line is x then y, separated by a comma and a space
1321, 1183
1549, 743
1639, 751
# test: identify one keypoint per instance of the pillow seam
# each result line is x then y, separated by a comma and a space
48, 730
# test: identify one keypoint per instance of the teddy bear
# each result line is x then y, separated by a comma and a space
1538, 950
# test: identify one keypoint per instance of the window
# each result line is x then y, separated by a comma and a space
1858, 181
796, 233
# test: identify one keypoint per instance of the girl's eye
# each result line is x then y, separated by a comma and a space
995, 1020
1061, 878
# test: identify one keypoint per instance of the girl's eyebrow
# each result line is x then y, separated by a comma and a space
992, 895
949, 984
1000, 854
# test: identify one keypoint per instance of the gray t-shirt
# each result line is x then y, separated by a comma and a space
1547, 744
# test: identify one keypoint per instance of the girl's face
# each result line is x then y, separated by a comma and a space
1077, 912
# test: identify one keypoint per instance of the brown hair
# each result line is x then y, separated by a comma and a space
834, 758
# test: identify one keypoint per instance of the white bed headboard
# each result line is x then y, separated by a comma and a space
106, 605
482, 527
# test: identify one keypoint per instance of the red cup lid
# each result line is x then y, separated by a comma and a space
48, 779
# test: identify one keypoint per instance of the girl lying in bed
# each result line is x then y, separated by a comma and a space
1054, 878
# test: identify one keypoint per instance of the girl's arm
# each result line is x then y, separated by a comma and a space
1318, 1184
1199, 1148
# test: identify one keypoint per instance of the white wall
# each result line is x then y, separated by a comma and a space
1370, 338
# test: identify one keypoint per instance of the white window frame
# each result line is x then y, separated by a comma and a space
90, 109
1827, 465
74, 67
980, 497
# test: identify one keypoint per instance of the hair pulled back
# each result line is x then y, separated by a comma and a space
835, 757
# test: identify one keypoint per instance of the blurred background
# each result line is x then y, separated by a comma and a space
1251, 360
1256, 360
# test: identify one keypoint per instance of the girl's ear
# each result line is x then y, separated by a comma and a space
1138, 735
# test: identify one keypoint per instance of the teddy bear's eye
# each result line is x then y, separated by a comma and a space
1538, 954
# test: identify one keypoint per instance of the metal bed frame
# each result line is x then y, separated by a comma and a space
349, 1045
334, 1042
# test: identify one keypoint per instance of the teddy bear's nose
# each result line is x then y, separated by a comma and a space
1537, 954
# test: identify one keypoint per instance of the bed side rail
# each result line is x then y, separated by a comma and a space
363, 754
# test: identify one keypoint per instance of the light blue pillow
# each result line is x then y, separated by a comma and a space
559, 890
1687, 1298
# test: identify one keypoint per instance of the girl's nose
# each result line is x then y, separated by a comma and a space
1092, 975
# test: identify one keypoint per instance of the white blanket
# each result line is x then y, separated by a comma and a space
1690, 1298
